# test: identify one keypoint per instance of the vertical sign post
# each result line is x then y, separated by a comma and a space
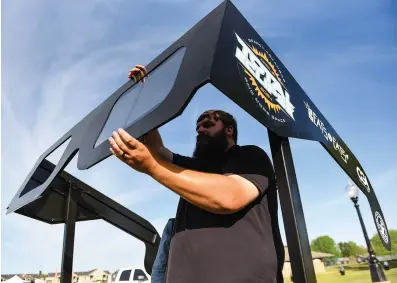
291, 207
68, 238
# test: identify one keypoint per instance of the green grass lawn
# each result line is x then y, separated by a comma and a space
353, 274
354, 277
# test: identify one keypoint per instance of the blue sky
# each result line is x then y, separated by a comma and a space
343, 54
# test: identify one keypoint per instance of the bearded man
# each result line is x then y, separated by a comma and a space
226, 225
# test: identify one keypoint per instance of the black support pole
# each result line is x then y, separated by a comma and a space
68, 239
291, 207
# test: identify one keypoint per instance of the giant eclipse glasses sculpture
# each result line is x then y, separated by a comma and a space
222, 49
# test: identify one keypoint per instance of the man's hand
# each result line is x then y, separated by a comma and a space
133, 152
137, 73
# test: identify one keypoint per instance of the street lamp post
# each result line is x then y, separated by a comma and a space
377, 274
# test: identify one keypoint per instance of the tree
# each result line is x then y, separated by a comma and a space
378, 246
348, 249
324, 244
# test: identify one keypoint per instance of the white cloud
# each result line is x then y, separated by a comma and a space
42, 84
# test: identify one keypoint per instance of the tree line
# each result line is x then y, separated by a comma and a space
326, 244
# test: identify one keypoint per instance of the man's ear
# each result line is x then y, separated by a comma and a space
229, 130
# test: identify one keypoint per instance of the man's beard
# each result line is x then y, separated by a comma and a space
209, 147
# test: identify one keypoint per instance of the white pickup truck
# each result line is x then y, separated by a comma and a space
130, 275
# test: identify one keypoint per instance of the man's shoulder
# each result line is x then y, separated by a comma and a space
251, 147
184, 161
252, 151
251, 155
250, 161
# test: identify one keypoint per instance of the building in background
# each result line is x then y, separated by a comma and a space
317, 262
92, 276
95, 276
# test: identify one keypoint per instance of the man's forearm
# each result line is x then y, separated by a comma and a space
211, 192
155, 142
165, 153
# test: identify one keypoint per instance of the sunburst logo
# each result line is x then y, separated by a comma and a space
269, 64
263, 94
264, 79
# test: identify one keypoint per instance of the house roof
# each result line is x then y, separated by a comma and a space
80, 273
21, 275
315, 255
52, 274
16, 278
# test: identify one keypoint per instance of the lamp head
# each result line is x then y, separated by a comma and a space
352, 190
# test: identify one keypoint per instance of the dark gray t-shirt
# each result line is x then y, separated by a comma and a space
245, 246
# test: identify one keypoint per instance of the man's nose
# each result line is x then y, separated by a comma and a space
201, 130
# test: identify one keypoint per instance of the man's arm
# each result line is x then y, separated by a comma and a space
216, 193
221, 194
213, 192
154, 141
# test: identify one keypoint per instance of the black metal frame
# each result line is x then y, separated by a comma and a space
259, 83
68, 200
